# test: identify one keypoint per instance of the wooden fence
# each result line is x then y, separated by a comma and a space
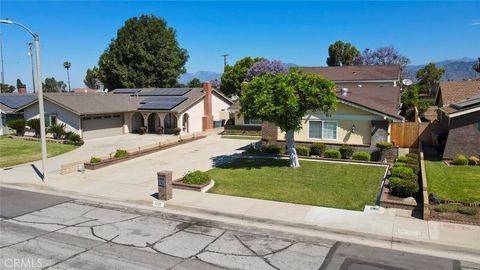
405, 134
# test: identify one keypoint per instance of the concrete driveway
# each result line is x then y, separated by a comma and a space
134, 179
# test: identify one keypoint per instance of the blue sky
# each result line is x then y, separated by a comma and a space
289, 31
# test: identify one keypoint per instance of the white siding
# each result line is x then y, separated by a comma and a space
195, 114
70, 119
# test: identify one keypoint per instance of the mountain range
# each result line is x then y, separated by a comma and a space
456, 69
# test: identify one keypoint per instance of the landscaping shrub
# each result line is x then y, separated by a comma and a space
57, 130
302, 151
18, 125
415, 168
317, 149
473, 161
412, 155
470, 211
409, 160
35, 125
402, 187
460, 160
95, 160
346, 151
332, 153
176, 131
196, 178
404, 173
74, 138
360, 155
121, 153
273, 149
446, 208
399, 164
384, 145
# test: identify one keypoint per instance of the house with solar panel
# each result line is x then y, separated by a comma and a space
156, 110
9, 103
459, 117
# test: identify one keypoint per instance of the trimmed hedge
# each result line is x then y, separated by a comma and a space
412, 155
332, 153
399, 164
196, 178
460, 160
317, 149
360, 155
346, 151
402, 187
384, 145
409, 160
404, 173
302, 151
474, 161
273, 149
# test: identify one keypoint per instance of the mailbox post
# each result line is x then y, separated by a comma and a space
164, 185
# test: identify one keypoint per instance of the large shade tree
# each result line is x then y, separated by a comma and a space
234, 76
341, 54
6, 88
52, 85
284, 99
263, 67
92, 77
430, 76
388, 55
145, 53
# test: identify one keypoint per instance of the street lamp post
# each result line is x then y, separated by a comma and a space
41, 111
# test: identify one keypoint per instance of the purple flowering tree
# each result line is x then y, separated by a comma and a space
263, 67
382, 56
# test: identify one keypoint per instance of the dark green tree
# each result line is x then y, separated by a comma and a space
195, 83
476, 66
52, 85
6, 88
342, 54
92, 77
145, 53
20, 84
233, 76
284, 99
430, 76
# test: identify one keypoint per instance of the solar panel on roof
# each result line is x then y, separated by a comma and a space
466, 103
161, 103
164, 92
15, 101
126, 91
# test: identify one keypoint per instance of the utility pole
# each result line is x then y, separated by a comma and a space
225, 57
1, 52
30, 53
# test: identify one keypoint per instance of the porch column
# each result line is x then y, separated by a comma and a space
145, 120
179, 123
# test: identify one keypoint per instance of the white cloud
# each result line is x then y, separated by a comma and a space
475, 23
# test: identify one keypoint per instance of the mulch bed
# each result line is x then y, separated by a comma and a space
181, 185
455, 217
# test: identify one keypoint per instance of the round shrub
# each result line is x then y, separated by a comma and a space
34, 124
404, 173
273, 149
346, 151
95, 160
360, 155
196, 178
303, 151
470, 211
176, 131
402, 187
399, 164
412, 155
384, 145
415, 168
409, 160
332, 153
18, 125
121, 153
460, 160
474, 161
317, 149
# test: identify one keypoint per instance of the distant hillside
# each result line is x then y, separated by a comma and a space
201, 75
459, 69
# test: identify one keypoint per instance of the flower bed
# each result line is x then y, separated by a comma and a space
196, 181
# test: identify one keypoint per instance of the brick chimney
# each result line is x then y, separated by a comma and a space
22, 90
207, 119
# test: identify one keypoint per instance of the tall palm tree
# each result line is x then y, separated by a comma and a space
67, 65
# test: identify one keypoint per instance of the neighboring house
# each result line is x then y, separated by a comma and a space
160, 110
459, 117
9, 103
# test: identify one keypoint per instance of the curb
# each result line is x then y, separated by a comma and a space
287, 227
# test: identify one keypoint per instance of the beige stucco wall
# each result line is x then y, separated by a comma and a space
195, 114
345, 116
219, 108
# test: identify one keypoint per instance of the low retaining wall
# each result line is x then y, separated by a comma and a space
423, 176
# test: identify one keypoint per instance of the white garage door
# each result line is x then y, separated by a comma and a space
98, 126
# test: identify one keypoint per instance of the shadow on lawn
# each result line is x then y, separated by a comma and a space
236, 162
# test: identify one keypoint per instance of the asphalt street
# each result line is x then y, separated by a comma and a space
39, 231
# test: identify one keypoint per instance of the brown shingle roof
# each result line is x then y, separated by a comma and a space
384, 99
454, 91
357, 73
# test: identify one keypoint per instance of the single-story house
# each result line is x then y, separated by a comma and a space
159, 110
9, 103
362, 118
459, 117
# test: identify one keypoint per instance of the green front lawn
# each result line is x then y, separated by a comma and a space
325, 184
13, 152
459, 183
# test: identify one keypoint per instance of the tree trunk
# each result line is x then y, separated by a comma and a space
292, 152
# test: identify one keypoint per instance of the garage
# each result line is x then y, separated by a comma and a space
98, 126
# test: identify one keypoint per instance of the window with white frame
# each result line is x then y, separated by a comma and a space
325, 130
252, 121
